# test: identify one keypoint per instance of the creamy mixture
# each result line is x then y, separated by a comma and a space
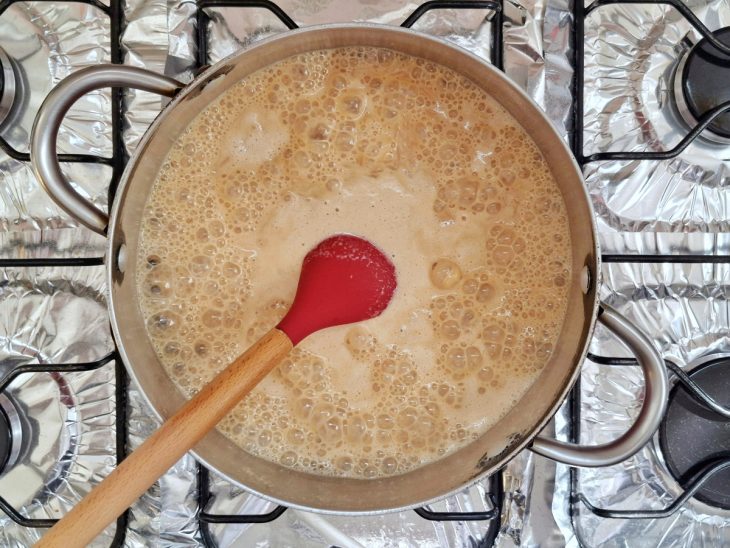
419, 161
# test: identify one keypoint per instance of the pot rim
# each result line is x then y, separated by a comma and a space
210, 73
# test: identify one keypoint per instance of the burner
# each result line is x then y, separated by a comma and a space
702, 82
7, 86
10, 433
691, 435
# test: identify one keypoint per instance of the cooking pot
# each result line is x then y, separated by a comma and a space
485, 455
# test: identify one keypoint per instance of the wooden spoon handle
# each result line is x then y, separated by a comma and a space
165, 446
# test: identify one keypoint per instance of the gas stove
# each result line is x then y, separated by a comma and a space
640, 92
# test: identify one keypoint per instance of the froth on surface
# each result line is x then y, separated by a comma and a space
416, 159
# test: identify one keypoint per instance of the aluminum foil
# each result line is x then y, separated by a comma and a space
673, 206
682, 307
55, 315
167, 513
47, 41
159, 35
631, 54
234, 28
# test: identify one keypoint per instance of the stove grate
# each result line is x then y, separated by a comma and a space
691, 489
115, 12
581, 12
121, 430
692, 486
494, 6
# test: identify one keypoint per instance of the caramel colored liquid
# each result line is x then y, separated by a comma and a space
416, 159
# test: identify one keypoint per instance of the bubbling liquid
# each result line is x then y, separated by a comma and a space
428, 167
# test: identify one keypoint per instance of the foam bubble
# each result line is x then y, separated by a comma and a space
445, 273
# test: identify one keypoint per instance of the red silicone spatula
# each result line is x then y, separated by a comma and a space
344, 279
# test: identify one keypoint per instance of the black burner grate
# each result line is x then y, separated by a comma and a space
117, 162
705, 474
581, 12
494, 6
115, 13
495, 494
701, 477
121, 431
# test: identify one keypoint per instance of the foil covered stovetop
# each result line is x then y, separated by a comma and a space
663, 227
57, 314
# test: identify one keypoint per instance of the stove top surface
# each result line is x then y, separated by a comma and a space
657, 182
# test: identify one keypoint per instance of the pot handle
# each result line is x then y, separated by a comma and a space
655, 402
45, 131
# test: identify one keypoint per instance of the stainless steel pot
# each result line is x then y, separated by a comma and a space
484, 456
